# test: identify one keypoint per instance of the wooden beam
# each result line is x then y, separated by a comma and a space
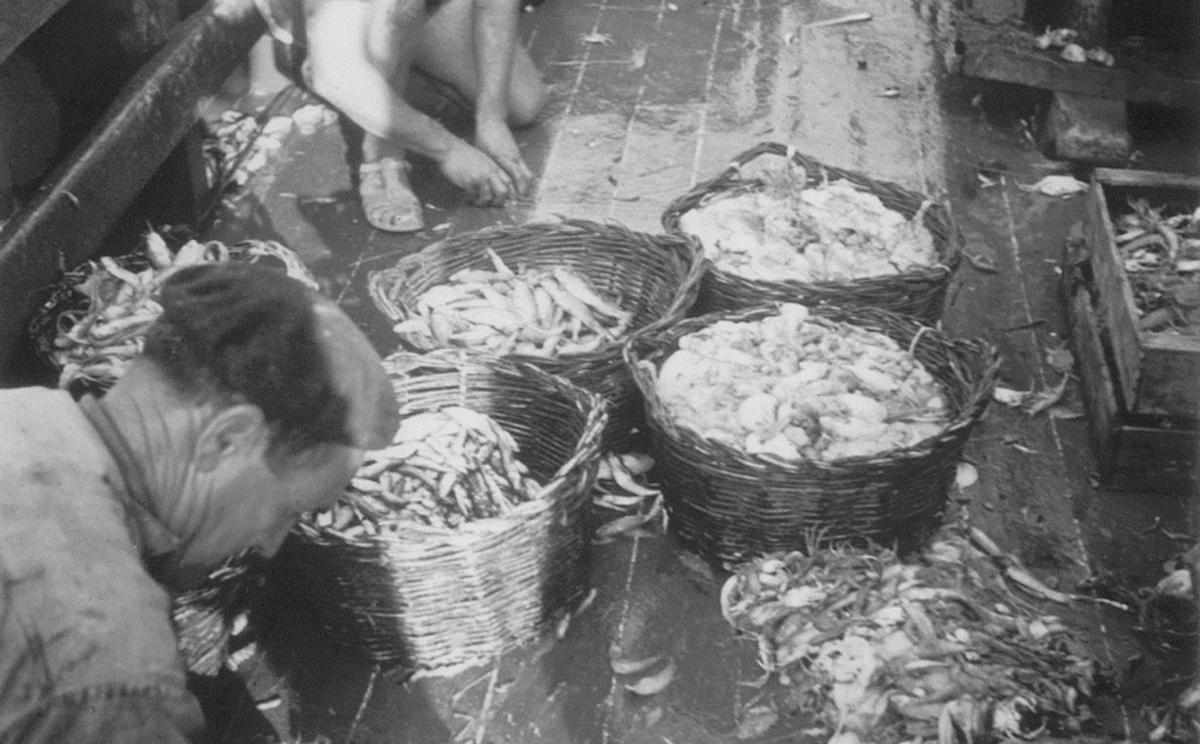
66, 221
1005, 53
1129, 177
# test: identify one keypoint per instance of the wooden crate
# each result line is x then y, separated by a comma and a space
1133, 451
1155, 374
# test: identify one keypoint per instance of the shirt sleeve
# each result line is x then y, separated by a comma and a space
115, 715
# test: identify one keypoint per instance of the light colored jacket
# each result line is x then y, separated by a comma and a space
87, 650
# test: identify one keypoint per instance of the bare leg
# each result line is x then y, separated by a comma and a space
446, 53
471, 44
386, 193
342, 71
393, 32
351, 55
355, 77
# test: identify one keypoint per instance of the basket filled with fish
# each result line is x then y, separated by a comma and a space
207, 616
779, 226
774, 424
562, 296
466, 536
94, 321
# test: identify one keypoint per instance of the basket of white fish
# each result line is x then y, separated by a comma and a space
466, 536
776, 424
560, 295
777, 225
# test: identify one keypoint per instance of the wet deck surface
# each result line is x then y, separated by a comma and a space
683, 87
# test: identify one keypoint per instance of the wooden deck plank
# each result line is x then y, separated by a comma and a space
662, 591
655, 165
1011, 449
1005, 53
739, 96
681, 54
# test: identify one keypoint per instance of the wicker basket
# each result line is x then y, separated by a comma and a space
730, 506
203, 616
656, 277
919, 292
430, 598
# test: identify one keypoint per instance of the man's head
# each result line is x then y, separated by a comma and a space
275, 394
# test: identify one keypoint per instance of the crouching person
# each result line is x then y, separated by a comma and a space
253, 402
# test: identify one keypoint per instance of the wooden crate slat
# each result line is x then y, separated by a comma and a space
1117, 307
1157, 374
1128, 454
1134, 177
1098, 393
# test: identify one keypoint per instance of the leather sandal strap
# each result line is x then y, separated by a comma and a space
385, 165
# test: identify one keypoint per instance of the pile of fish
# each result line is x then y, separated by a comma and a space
1161, 257
801, 387
238, 145
443, 468
97, 337
883, 651
544, 312
622, 487
1065, 42
789, 231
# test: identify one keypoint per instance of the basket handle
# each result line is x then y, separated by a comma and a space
731, 176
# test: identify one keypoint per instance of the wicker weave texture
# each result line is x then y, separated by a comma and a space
203, 616
730, 506
918, 292
429, 598
656, 277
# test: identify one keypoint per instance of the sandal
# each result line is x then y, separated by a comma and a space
388, 200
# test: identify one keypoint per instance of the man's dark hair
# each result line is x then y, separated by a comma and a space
242, 332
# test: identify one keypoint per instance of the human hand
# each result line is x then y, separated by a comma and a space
493, 137
485, 182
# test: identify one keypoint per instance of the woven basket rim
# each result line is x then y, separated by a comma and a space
934, 273
586, 447
972, 409
686, 248
730, 181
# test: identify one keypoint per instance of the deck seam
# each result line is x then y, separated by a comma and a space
568, 107
702, 120
633, 117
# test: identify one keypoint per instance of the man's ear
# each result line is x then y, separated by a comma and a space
229, 432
